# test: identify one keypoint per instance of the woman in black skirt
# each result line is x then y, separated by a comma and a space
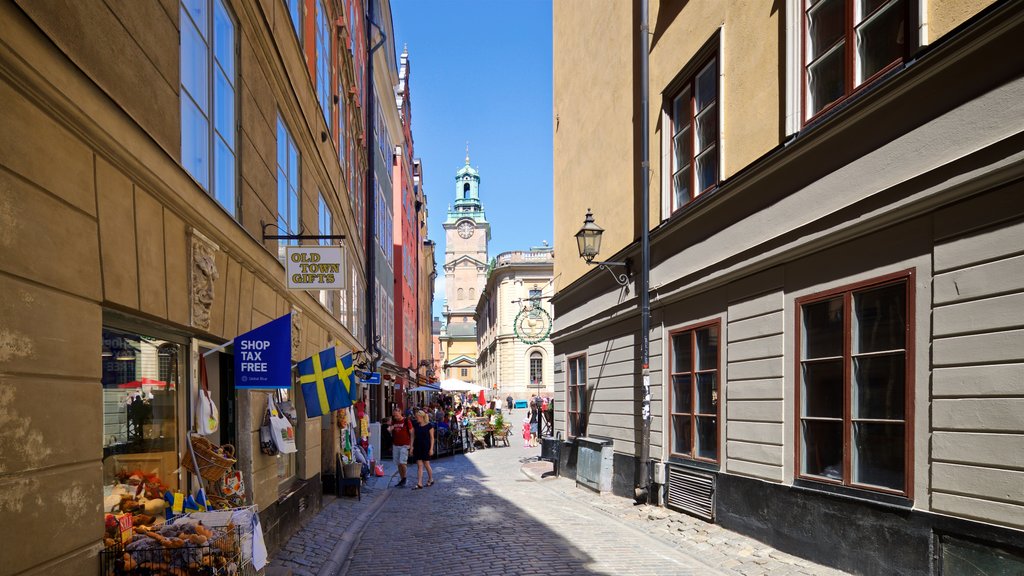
422, 448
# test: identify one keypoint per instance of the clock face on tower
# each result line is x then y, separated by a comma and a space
466, 229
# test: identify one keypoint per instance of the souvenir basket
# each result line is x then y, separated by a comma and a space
186, 549
212, 461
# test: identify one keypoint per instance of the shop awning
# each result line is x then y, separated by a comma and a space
456, 385
144, 382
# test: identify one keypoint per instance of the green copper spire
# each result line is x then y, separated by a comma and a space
467, 194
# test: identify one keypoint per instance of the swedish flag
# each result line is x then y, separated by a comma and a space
322, 389
347, 374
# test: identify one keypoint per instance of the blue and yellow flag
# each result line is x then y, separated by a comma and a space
347, 374
322, 388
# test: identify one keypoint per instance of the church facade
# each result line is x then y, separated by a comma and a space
467, 233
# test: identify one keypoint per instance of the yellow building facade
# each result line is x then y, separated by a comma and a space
815, 169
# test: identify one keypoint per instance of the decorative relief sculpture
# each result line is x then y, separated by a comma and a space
203, 275
296, 332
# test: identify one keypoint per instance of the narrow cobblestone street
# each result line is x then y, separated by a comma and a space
490, 512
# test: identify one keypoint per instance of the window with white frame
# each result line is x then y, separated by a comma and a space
323, 61
576, 392
855, 387
695, 392
208, 77
536, 369
287, 183
693, 120
848, 43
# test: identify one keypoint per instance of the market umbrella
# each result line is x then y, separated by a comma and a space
456, 385
480, 399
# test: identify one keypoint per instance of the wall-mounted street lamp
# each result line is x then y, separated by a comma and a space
588, 240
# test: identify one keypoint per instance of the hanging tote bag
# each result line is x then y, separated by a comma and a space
207, 415
282, 431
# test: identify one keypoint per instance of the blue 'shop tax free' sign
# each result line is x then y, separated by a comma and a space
263, 357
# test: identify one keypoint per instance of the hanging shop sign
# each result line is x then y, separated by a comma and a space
369, 378
532, 325
315, 267
263, 356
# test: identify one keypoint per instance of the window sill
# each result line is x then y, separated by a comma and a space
695, 464
877, 499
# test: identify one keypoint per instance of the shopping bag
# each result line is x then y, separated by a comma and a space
378, 471
282, 431
207, 415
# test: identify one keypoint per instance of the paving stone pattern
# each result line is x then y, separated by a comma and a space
309, 549
490, 512
727, 551
484, 516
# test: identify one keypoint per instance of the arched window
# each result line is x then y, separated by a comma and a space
465, 190
472, 293
536, 369
461, 294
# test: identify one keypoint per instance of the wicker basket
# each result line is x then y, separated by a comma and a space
213, 461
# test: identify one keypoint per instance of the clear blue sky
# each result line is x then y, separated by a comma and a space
481, 71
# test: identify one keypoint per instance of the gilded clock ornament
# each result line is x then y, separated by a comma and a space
466, 230
532, 325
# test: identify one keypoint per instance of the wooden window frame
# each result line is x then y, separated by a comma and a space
573, 428
716, 323
850, 85
690, 83
906, 278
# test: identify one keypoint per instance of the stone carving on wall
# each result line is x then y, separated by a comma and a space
203, 275
296, 332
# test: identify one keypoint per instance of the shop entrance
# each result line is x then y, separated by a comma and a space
220, 374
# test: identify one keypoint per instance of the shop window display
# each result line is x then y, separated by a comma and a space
142, 387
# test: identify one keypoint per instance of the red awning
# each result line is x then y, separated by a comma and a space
144, 382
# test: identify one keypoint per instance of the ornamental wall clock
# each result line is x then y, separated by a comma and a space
466, 230
532, 325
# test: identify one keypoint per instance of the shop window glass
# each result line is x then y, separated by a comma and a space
142, 387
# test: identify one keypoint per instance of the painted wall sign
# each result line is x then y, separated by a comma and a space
315, 267
263, 356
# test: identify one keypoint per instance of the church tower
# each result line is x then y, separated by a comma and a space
467, 233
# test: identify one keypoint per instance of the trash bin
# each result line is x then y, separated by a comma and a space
551, 449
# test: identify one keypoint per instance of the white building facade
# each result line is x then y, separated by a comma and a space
514, 319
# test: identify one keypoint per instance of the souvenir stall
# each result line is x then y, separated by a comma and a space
174, 501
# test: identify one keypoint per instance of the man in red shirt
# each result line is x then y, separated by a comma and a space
401, 442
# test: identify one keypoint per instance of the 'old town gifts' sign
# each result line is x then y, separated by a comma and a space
315, 267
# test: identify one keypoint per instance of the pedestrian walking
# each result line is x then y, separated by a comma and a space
508, 402
526, 430
534, 424
423, 448
401, 442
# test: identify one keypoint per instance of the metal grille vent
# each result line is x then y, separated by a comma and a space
691, 492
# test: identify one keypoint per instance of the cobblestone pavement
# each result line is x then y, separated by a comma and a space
485, 516
309, 551
726, 551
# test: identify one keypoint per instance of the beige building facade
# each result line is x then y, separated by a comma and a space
833, 335
513, 319
136, 184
